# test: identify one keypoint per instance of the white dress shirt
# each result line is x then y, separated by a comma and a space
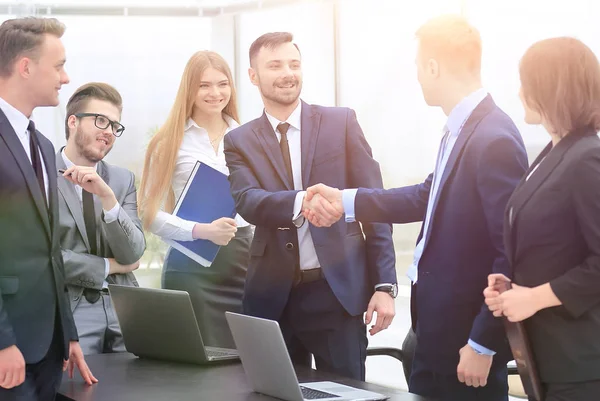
306, 247
19, 123
109, 216
195, 147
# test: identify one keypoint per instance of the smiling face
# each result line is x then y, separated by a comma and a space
277, 72
89, 141
213, 94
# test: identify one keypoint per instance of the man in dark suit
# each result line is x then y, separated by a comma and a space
461, 351
317, 282
37, 332
101, 235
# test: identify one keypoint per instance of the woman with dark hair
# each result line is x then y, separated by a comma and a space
552, 223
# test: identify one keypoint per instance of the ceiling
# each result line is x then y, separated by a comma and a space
135, 7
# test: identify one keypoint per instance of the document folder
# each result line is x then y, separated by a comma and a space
522, 352
206, 197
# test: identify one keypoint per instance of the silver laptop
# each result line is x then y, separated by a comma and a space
269, 368
161, 324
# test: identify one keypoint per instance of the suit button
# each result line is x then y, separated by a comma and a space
289, 246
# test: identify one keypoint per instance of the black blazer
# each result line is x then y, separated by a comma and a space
32, 278
552, 234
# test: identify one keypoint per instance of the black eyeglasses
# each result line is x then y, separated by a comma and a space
103, 122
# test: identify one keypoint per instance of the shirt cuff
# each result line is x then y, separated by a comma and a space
381, 285
348, 196
106, 267
480, 349
112, 214
297, 217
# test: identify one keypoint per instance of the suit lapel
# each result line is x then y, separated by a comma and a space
463, 137
509, 212
552, 157
311, 121
270, 144
67, 191
16, 148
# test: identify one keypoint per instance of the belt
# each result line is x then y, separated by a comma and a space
308, 276
92, 295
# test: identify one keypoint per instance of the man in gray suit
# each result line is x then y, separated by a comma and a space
100, 233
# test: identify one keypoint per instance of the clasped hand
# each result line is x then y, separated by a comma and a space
322, 205
517, 303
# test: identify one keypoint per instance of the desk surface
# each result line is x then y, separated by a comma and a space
123, 376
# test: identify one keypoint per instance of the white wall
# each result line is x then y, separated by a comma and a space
508, 28
377, 76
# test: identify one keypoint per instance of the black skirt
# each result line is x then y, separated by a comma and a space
213, 290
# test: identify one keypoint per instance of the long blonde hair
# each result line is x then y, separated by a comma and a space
161, 155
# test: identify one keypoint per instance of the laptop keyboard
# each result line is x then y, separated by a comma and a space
310, 394
211, 353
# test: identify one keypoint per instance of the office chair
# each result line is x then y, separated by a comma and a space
405, 356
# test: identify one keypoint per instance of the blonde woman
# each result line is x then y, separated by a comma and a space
205, 110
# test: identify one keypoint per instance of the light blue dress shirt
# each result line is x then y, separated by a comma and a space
456, 120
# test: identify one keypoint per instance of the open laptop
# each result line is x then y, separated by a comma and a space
269, 368
161, 324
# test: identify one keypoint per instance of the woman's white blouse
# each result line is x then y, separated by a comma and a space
195, 147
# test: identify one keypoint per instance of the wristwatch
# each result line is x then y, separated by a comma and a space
391, 289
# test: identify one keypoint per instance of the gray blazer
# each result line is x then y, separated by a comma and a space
123, 239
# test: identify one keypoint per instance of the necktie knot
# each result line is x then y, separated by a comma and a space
31, 127
283, 128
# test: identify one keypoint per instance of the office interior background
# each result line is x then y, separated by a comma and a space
355, 53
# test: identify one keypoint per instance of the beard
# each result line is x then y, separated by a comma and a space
85, 147
273, 93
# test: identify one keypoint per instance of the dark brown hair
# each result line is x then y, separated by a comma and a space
93, 90
453, 42
560, 79
24, 36
270, 40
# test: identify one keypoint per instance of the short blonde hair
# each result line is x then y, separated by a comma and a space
453, 42
24, 36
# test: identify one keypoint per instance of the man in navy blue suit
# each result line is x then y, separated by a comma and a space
317, 282
461, 350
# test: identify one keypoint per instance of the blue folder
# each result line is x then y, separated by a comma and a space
206, 197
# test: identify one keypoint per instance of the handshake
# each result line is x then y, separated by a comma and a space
322, 205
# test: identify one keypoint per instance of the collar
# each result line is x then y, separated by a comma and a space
232, 124
68, 162
17, 120
461, 112
293, 120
